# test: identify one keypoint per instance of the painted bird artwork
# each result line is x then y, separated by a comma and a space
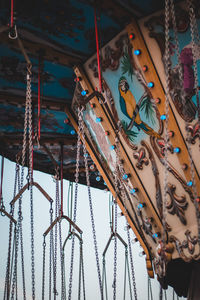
130, 108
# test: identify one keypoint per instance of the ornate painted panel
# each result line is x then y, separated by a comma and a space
133, 110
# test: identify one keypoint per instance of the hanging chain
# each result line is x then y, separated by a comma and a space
90, 205
115, 251
30, 178
166, 135
43, 269
119, 174
56, 232
51, 252
7, 279
75, 203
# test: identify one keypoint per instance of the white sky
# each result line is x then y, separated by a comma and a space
41, 222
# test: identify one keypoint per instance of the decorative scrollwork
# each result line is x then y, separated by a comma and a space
176, 204
194, 132
190, 242
161, 144
140, 155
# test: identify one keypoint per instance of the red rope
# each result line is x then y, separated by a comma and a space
2, 167
61, 177
39, 102
12, 14
97, 47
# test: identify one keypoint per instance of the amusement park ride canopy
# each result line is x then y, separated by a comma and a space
122, 88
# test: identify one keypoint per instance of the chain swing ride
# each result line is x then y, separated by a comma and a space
134, 122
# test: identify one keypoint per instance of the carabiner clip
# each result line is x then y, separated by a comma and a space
13, 33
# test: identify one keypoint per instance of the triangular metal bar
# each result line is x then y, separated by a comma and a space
110, 239
3, 211
26, 187
60, 218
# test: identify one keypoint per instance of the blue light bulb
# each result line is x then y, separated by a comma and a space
137, 52
133, 191
140, 205
98, 120
86, 155
98, 178
125, 176
83, 93
150, 84
72, 132
163, 117
189, 183
177, 150
112, 147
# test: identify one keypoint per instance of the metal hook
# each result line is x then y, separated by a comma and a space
13, 35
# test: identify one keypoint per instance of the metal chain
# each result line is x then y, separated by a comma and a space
75, 202
91, 206
14, 283
21, 240
7, 278
43, 269
30, 176
56, 233
166, 136
115, 251
51, 251
120, 174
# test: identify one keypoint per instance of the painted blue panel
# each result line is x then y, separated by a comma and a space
57, 79
12, 120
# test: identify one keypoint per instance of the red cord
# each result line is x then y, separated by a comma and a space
32, 150
61, 176
2, 167
97, 47
12, 13
38, 102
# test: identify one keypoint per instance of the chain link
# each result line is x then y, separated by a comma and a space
75, 203
7, 278
51, 252
43, 269
56, 233
90, 204
115, 251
